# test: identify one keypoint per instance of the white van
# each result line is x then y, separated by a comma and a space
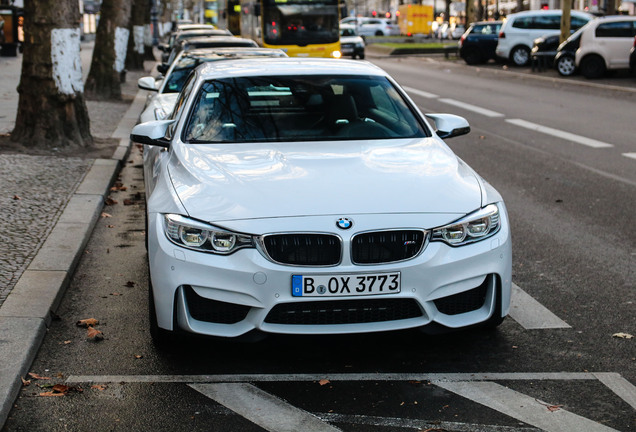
605, 44
521, 29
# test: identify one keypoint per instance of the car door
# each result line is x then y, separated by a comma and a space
614, 40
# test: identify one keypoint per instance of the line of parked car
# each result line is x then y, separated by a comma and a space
596, 44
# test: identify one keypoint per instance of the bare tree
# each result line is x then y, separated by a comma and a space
136, 46
109, 54
51, 108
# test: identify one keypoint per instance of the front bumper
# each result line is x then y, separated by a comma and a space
230, 296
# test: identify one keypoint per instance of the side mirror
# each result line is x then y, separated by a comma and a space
147, 83
151, 133
449, 125
163, 47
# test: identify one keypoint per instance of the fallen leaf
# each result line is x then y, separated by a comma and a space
25, 382
322, 382
100, 387
37, 377
623, 335
553, 408
88, 322
110, 226
50, 393
128, 202
130, 284
66, 342
94, 334
109, 201
106, 215
138, 357
17, 198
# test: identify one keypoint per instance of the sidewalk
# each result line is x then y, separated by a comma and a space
48, 208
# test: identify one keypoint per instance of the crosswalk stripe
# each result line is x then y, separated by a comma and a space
531, 314
549, 417
262, 408
619, 385
630, 155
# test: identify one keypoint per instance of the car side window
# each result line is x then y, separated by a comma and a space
576, 23
547, 22
180, 105
522, 23
618, 29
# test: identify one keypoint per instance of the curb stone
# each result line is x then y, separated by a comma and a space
27, 311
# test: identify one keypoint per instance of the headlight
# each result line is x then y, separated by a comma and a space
200, 236
476, 226
336, 54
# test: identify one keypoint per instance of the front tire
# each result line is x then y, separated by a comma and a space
473, 57
565, 65
520, 55
593, 67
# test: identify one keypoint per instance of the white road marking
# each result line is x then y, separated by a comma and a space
630, 155
417, 424
474, 108
420, 92
531, 314
619, 385
578, 139
232, 378
549, 417
262, 408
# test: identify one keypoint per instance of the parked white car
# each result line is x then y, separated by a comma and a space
159, 105
351, 44
311, 196
605, 44
378, 27
520, 29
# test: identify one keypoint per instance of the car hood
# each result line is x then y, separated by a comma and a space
224, 182
351, 39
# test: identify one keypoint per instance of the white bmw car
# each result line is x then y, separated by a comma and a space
311, 196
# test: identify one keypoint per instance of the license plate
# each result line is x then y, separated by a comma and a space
338, 285
347, 50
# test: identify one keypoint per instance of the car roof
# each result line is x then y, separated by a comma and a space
546, 12
231, 52
289, 66
218, 41
204, 32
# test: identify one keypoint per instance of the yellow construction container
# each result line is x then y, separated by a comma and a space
415, 19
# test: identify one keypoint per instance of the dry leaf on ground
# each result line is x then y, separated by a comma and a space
88, 322
94, 334
322, 382
37, 377
622, 335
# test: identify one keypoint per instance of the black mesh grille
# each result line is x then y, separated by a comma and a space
343, 311
304, 249
386, 246
213, 311
465, 301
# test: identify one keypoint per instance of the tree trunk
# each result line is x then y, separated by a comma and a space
109, 55
470, 12
51, 108
136, 46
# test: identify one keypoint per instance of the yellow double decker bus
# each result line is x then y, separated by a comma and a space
302, 28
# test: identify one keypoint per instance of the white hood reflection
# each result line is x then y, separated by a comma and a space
244, 181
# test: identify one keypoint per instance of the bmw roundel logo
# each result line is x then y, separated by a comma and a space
344, 223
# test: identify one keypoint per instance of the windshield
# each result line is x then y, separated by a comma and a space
300, 22
308, 108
